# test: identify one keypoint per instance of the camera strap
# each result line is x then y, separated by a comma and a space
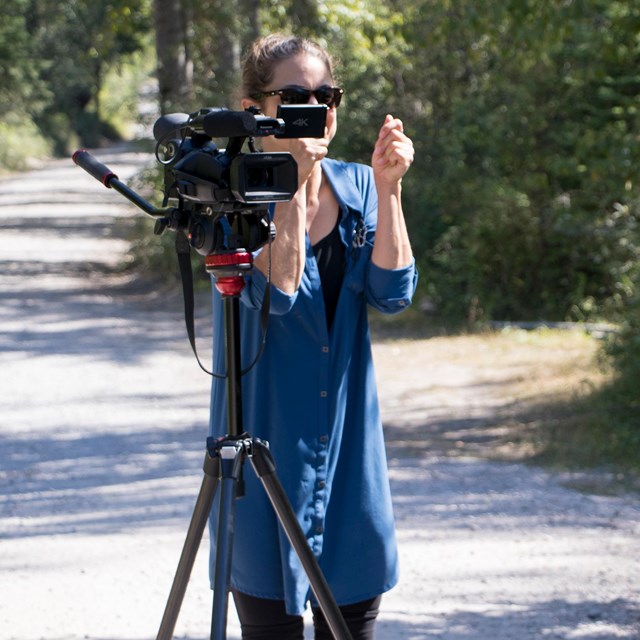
183, 251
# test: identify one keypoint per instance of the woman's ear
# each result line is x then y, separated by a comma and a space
245, 103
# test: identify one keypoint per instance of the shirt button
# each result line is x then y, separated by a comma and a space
322, 484
319, 529
325, 349
324, 438
323, 394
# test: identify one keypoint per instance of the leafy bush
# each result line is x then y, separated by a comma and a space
622, 397
602, 429
516, 259
155, 256
20, 143
525, 120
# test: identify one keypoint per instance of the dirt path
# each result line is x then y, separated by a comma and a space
103, 417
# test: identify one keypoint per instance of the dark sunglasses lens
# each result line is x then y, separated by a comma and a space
325, 95
295, 95
330, 96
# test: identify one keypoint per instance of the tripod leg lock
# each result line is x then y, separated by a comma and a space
261, 458
211, 465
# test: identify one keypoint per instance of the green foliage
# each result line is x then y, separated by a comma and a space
621, 399
366, 39
602, 427
153, 256
527, 143
513, 260
20, 87
20, 143
123, 88
54, 59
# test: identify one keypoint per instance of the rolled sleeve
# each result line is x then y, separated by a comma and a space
253, 295
391, 290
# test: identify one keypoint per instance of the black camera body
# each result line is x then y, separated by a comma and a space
204, 174
209, 183
196, 170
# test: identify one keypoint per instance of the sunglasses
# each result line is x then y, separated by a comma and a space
331, 96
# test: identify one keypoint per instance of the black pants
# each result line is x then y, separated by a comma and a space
263, 619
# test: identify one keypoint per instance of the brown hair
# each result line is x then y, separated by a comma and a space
262, 57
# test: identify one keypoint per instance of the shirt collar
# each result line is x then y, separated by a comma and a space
343, 186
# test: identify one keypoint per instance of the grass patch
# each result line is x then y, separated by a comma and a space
21, 144
541, 397
580, 413
566, 411
598, 430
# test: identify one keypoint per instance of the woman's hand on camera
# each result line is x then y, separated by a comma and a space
393, 153
306, 152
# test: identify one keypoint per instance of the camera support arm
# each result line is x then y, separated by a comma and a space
109, 179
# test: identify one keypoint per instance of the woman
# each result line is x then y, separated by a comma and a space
341, 244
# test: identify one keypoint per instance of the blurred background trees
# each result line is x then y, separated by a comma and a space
54, 62
523, 202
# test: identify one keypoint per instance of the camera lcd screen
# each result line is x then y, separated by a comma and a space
303, 120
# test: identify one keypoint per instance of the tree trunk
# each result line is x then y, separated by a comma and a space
175, 67
251, 9
304, 17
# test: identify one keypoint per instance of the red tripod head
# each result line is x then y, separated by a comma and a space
229, 269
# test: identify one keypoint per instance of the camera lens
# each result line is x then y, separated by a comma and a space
260, 177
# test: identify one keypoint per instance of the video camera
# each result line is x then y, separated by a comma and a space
208, 182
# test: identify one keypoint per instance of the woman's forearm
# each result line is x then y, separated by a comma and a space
391, 249
288, 248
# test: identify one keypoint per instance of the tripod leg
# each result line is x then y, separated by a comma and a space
264, 466
190, 549
231, 459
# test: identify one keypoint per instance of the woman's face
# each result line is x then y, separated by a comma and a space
303, 70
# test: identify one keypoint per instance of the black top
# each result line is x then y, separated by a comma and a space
329, 253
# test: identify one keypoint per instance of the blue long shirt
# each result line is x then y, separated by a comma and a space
312, 396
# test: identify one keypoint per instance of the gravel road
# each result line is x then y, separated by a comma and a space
103, 416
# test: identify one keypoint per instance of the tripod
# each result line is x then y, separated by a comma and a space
225, 456
223, 464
